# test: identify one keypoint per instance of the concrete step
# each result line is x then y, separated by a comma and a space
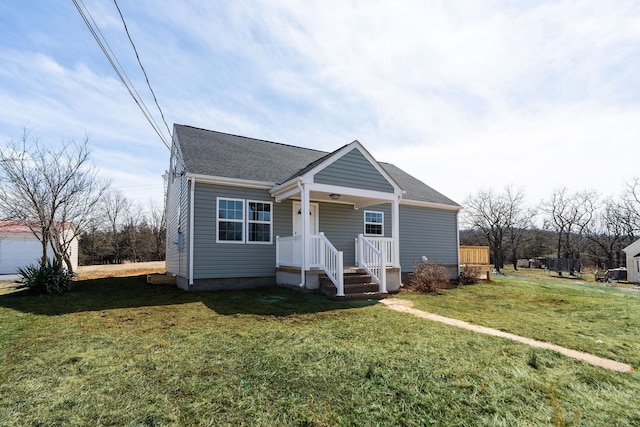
349, 279
352, 291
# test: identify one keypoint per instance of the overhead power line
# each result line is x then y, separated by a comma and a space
120, 72
126, 29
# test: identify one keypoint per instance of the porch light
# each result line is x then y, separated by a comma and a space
334, 196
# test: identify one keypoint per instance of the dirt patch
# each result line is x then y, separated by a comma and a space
87, 272
120, 270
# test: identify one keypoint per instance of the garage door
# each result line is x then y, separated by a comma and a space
16, 253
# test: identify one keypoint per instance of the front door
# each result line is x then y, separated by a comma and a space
297, 218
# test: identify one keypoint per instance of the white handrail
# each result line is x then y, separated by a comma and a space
324, 255
373, 261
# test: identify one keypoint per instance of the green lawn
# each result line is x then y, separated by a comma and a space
601, 320
120, 352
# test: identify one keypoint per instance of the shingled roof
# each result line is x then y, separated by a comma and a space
207, 152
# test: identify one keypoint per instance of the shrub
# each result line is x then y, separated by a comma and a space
469, 275
47, 279
428, 277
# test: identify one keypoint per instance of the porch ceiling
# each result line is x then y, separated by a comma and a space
357, 201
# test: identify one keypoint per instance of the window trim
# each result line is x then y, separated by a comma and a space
242, 221
249, 221
373, 223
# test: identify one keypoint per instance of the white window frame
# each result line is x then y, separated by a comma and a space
250, 221
241, 221
373, 223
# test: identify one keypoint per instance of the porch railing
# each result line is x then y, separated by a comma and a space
289, 251
325, 256
373, 260
322, 255
383, 244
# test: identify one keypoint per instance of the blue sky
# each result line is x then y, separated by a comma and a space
464, 95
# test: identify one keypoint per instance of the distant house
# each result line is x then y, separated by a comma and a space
19, 247
244, 212
633, 261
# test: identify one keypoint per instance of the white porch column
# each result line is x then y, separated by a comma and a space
395, 231
305, 223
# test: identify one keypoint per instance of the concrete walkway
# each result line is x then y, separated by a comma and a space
405, 306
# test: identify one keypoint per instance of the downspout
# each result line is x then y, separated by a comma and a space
396, 228
302, 270
458, 239
191, 227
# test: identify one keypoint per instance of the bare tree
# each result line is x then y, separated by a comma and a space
158, 225
114, 207
52, 191
630, 203
569, 215
501, 218
134, 220
519, 221
609, 233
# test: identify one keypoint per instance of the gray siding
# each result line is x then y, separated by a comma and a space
342, 224
427, 232
227, 260
354, 170
177, 220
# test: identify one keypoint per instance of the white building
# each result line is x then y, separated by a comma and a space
19, 247
633, 261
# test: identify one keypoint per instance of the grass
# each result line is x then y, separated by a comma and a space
120, 352
596, 319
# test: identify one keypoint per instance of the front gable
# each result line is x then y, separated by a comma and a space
351, 166
354, 170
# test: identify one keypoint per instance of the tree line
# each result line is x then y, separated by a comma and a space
582, 225
123, 232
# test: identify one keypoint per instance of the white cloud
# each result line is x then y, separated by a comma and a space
462, 94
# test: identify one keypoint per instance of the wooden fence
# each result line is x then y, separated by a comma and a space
476, 256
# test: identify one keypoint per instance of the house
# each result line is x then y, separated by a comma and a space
244, 212
633, 262
19, 247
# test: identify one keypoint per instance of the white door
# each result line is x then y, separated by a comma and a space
297, 218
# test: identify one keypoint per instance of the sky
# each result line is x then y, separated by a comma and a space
464, 95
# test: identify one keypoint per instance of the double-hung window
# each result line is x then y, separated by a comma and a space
373, 223
230, 220
244, 221
259, 223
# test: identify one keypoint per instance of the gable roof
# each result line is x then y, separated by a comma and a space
217, 154
13, 226
207, 152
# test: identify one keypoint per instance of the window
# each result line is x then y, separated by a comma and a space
373, 223
230, 220
259, 222
234, 221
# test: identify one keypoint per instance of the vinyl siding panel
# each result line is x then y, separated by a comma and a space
177, 215
633, 273
228, 260
355, 171
427, 232
341, 224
